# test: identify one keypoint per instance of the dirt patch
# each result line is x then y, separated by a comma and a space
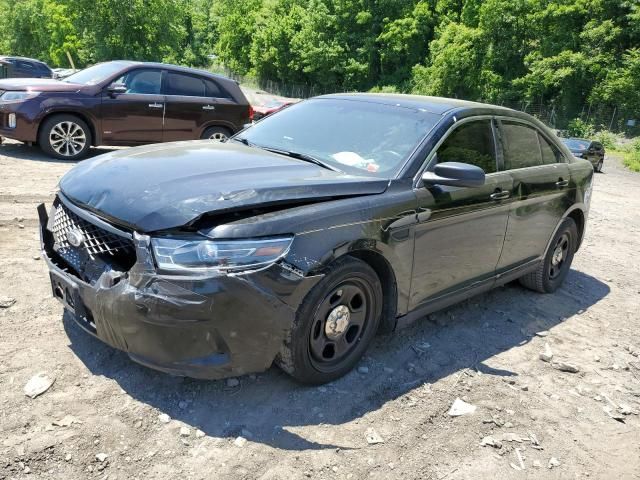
105, 416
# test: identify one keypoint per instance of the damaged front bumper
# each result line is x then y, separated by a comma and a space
211, 328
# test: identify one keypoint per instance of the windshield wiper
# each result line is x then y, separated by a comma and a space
243, 140
297, 155
301, 156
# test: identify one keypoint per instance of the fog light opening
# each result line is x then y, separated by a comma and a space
59, 292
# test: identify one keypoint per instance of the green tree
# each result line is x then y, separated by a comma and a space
454, 65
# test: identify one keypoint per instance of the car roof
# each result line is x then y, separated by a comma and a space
437, 105
26, 59
170, 66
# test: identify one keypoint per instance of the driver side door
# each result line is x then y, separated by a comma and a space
136, 116
460, 230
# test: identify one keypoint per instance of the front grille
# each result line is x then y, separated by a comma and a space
97, 243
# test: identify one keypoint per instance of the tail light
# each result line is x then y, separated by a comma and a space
251, 112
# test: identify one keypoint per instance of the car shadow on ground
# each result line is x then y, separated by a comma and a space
269, 408
33, 153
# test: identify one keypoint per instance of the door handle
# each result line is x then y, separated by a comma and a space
562, 183
208, 107
155, 105
500, 195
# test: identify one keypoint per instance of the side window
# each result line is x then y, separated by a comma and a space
550, 153
521, 146
470, 143
213, 90
142, 81
184, 85
26, 66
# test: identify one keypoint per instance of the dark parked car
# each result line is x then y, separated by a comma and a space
304, 235
20, 67
587, 149
121, 103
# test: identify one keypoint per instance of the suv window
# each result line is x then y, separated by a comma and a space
470, 143
143, 81
25, 66
213, 90
521, 146
185, 85
550, 154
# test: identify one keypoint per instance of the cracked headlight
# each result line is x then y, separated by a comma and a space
218, 255
17, 96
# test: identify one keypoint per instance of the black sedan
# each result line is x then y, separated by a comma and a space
587, 149
303, 236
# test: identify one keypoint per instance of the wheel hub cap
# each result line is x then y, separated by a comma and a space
557, 255
67, 138
337, 321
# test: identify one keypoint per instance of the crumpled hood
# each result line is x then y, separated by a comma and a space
164, 186
38, 85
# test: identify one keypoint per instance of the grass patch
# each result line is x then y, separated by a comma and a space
632, 161
630, 157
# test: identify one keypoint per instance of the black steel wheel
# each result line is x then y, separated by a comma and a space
598, 167
335, 323
559, 256
552, 271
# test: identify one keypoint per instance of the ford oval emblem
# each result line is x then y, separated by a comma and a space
75, 237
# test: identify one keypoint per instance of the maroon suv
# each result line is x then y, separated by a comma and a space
121, 103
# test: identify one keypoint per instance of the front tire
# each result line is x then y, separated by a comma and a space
66, 137
550, 274
334, 325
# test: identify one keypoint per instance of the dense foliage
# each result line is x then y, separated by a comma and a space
565, 52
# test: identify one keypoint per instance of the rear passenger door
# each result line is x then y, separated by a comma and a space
541, 191
193, 104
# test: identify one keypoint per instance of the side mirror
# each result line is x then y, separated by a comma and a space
116, 89
455, 174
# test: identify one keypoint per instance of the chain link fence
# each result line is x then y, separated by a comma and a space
602, 117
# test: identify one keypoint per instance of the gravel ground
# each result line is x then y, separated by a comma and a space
106, 417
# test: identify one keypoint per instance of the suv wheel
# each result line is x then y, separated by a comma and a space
65, 136
335, 323
598, 167
553, 270
218, 134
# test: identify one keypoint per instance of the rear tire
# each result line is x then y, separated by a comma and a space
598, 167
550, 274
66, 137
218, 134
334, 324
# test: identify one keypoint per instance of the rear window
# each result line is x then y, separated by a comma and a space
576, 144
184, 85
550, 154
521, 146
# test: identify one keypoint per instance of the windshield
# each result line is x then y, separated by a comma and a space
353, 136
574, 144
95, 74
